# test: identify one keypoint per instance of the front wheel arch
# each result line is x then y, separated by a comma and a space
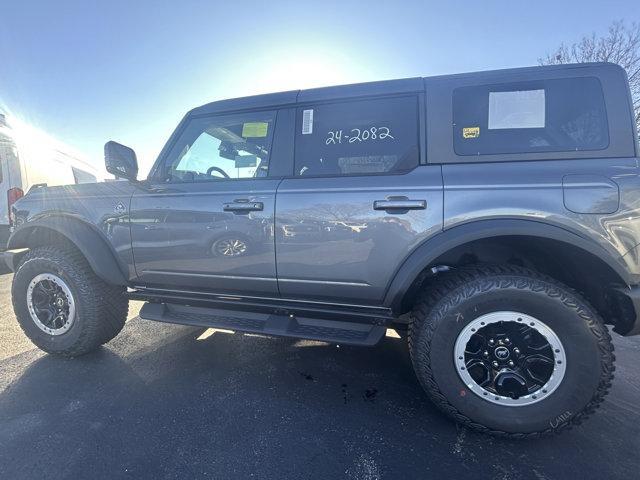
68, 232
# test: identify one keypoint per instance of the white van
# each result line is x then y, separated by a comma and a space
29, 157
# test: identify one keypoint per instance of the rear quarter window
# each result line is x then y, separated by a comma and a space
555, 115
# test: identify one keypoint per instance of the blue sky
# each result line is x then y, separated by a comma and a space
129, 70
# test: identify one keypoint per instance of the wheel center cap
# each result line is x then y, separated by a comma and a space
60, 302
501, 353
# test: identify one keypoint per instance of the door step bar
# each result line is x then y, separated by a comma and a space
276, 306
331, 331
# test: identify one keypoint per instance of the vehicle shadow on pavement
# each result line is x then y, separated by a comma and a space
164, 401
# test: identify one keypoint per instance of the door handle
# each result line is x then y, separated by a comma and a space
400, 204
243, 207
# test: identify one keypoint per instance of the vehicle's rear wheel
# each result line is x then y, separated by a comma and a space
62, 306
507, 351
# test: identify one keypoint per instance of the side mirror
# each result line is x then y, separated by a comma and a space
120, 161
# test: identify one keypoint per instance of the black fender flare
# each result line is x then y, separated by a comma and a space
430, 250
102, 259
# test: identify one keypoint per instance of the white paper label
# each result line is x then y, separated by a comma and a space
519, 109
307, 122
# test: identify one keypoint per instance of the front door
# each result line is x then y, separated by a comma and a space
206, 219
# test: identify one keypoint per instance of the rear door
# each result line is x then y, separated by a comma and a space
206, 221
360, 200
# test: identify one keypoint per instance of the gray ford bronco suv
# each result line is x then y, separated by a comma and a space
492, 219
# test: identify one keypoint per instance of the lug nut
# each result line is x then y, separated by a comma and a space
516, 351
510, 363
495, 364
485, 353
491, 341
506, 340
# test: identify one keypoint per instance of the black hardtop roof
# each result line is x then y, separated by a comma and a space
368, 89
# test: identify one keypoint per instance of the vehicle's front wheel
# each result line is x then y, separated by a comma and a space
508, 351
62, 306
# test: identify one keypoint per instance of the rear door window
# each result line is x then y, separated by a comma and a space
555, 115
357, 137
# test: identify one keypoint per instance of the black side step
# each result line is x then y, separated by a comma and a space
269, 324
276, 306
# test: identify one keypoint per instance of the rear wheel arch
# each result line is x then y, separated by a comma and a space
74, 233
522, 239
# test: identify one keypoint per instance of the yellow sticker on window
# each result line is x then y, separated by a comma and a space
255, 129
470, 132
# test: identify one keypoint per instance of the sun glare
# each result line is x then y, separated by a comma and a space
300, 70
36, 146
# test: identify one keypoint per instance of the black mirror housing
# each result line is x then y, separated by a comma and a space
120, 160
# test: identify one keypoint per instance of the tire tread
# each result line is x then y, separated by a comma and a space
104, 306
450, 289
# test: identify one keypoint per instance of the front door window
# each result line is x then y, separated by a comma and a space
221, 148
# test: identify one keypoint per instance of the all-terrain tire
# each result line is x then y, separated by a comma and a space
454, 299
100, 309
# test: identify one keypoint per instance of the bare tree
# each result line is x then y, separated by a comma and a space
621, 45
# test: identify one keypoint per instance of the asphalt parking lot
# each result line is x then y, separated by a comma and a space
164, 401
